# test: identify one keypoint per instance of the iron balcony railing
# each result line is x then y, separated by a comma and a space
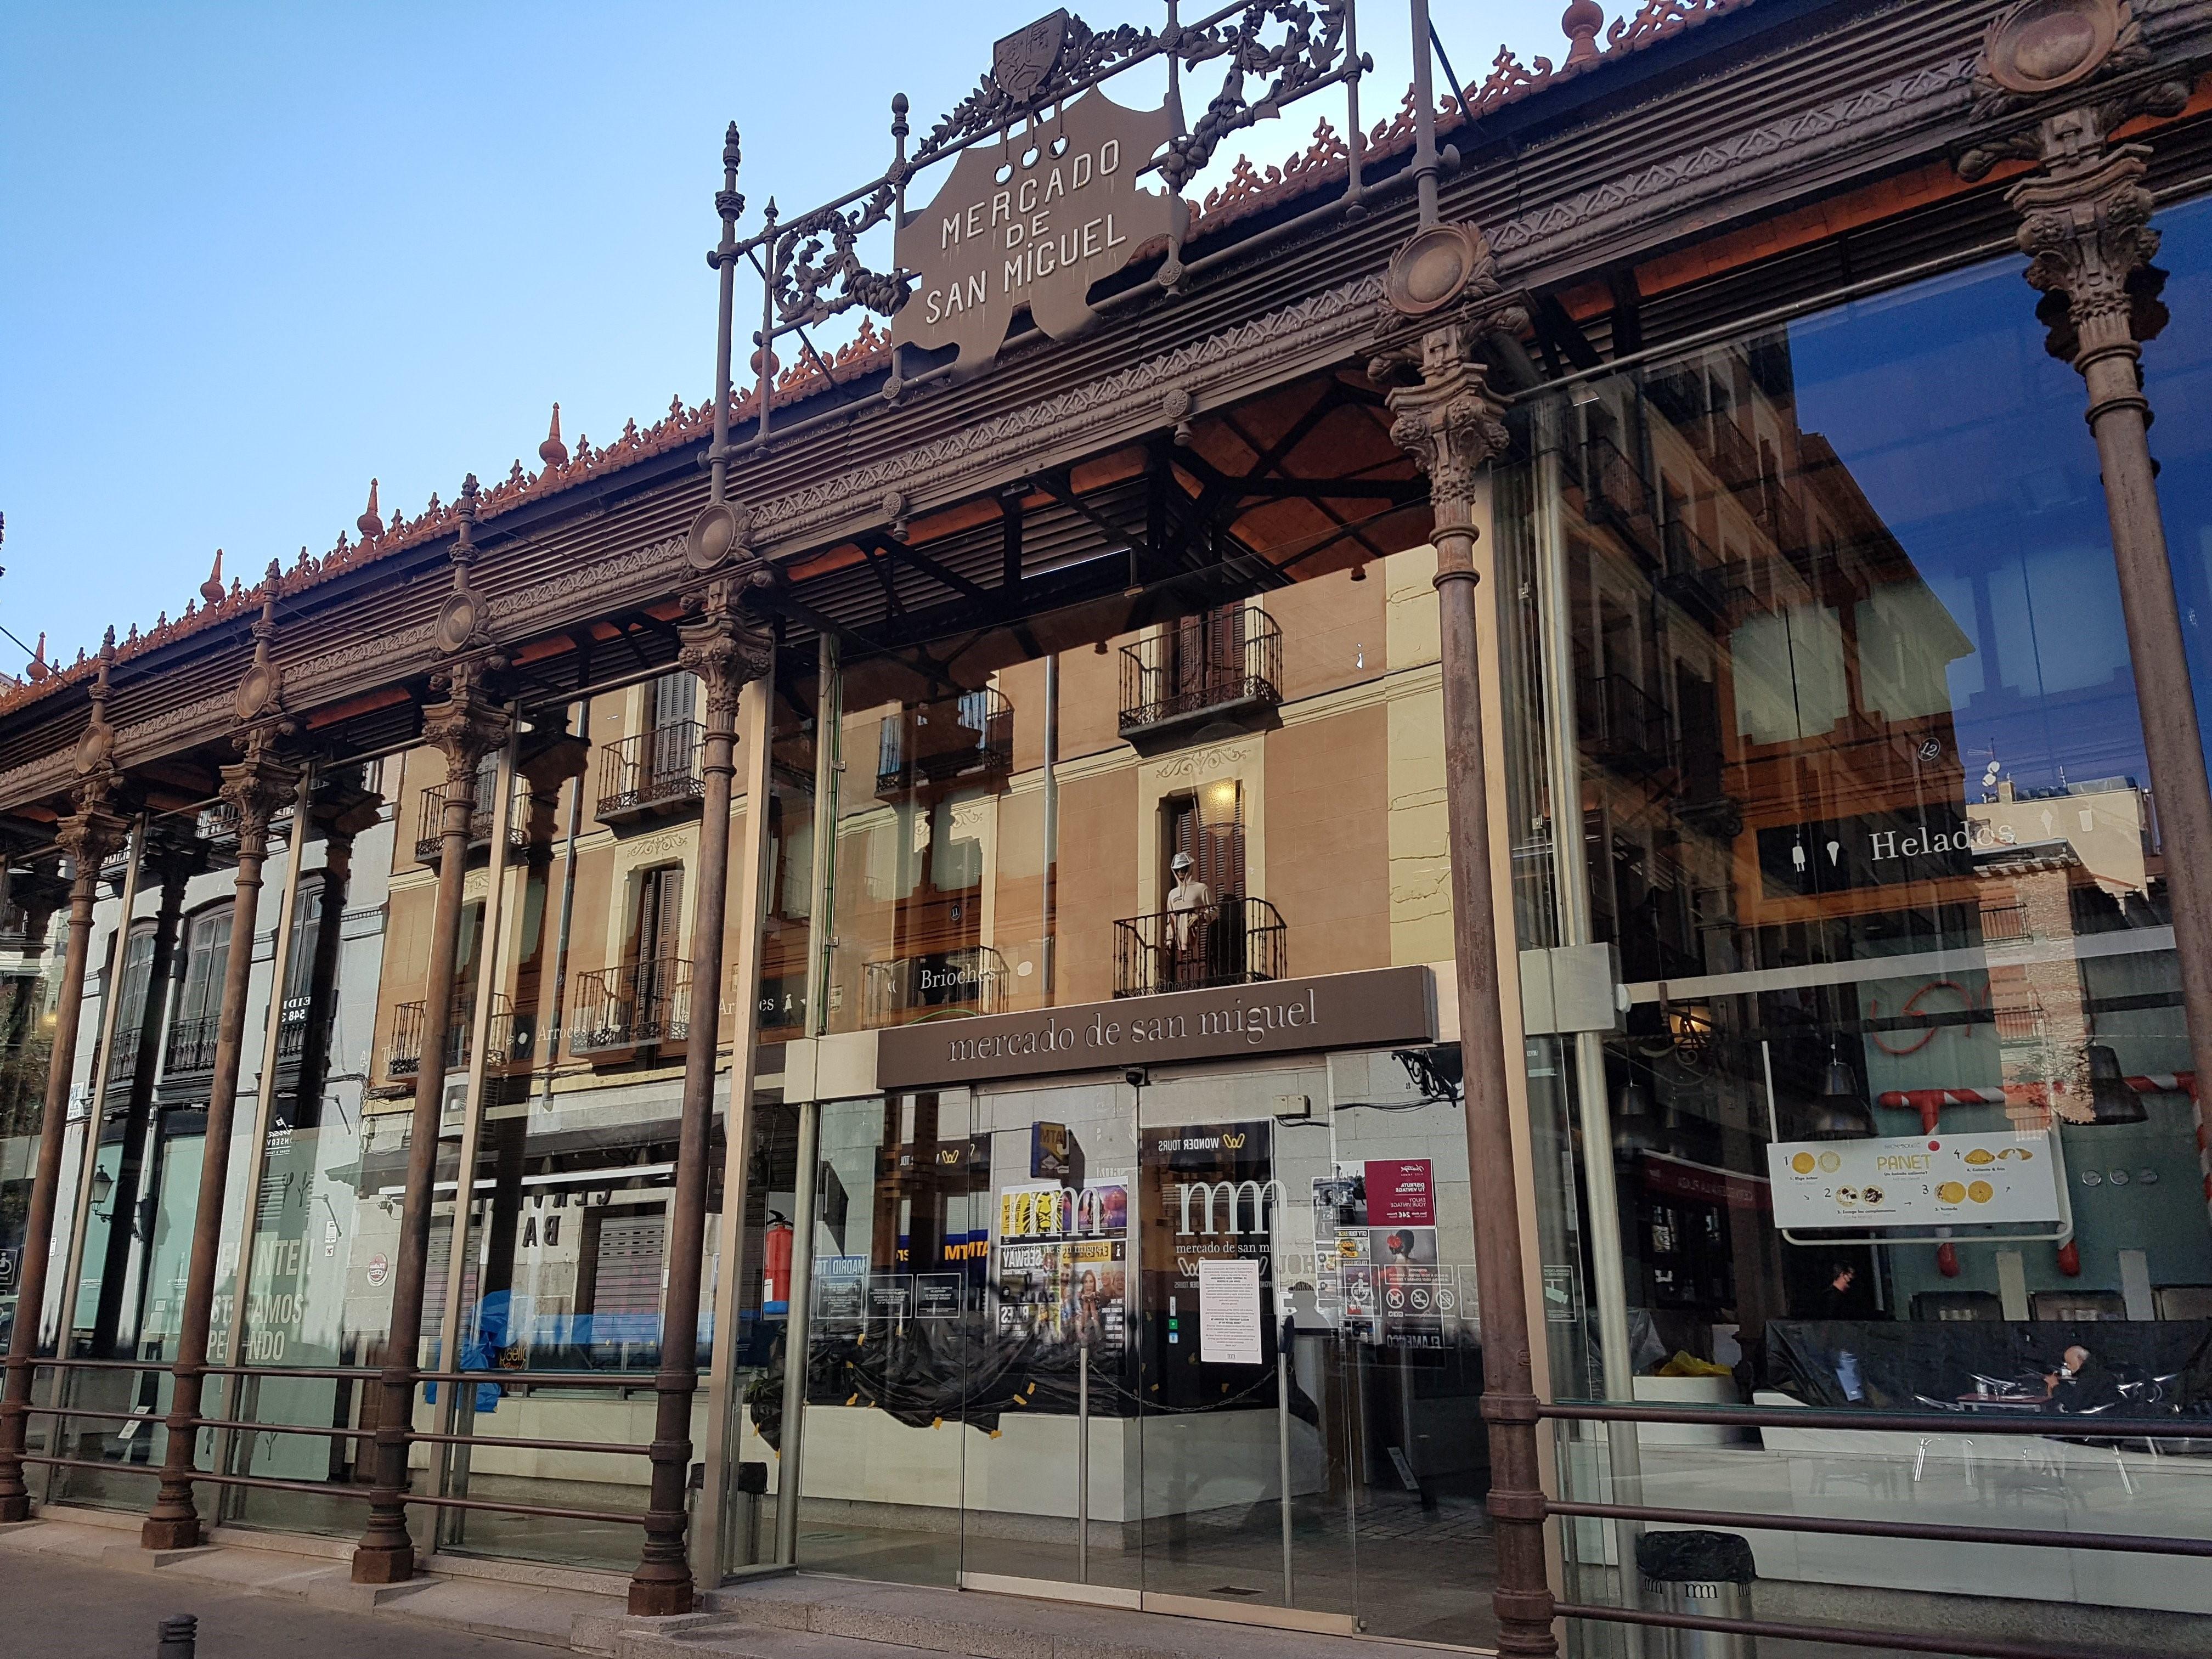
971, 980
125, 1066
191, 1046
1202, 668
430, 822
652, 770
1622, 723
963, 738
403, 1056
648, 1002
1234, 941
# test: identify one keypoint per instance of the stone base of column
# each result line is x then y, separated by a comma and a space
383, 1563
660, 1598
169, 1533
14, 1508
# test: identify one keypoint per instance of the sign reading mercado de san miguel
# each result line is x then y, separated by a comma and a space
1035, 220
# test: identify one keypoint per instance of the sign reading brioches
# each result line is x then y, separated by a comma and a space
1914, 1180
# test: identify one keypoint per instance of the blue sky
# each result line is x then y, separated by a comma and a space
254, 255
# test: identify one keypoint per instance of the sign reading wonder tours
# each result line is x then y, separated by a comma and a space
1033, 221
1381, 1006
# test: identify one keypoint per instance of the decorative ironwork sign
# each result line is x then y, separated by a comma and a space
1044, 186
1034, 223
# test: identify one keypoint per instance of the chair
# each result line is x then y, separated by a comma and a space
2182, 1300
2077, 1307
1929, 1306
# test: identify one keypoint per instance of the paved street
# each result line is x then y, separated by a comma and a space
52, 1608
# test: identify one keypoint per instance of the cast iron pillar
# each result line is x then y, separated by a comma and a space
173, 860
88, 836
1443, 299
726, 645
256, 787
468, 726
341, 810
2078, 69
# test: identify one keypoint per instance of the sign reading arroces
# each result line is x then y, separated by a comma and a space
1336, 1010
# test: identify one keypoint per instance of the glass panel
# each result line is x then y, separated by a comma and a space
900, 1325
1900, 1115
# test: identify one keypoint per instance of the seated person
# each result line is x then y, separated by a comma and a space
2082, 1384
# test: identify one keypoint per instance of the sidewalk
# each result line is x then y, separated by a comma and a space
74, 1584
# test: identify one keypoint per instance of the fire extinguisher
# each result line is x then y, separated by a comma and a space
775, 1260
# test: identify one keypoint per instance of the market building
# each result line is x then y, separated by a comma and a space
1281, 894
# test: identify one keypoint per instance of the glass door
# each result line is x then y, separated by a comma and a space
1053, 1467
1250, 1434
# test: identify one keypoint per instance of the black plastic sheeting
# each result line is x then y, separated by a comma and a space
2137, 1368
964, 1370
1695, 1558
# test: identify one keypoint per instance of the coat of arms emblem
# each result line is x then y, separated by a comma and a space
1022, 62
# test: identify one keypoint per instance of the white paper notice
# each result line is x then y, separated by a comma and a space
1228, 1312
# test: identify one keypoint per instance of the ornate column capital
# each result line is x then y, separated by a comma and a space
2085, 226
470, 723
258, 787
726, 640
90, 833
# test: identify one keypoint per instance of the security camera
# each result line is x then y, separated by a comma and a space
1134, 1077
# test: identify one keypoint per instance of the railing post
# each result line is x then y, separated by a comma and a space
727, 646
256, 785
1443, 290
464, 728
88, 836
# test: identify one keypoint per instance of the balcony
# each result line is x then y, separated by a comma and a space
1622, 725
1617, 494
652, 772
1238, 941
403, 1056
966, 738
1221, 668
191, 1046
1693, 576
622, 1008
972, 980
125, 1066
430, 820
1736, 458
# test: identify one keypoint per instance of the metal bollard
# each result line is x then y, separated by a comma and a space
180, 1638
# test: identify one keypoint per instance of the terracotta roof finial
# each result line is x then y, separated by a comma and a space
553, 452
371, 522
37, 669
1584, 18
211, 589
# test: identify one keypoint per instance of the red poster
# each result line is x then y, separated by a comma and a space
1401, 1193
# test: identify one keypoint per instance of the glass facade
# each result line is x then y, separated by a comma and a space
1846, 780
1856, 1073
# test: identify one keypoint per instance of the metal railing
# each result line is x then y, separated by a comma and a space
403, 1055
1621, 723
191, 1046
2094, 1427
652, 769
430, 822
972, 980
1234, 941
1202, 666
962, 739
648, 1002
364, 1432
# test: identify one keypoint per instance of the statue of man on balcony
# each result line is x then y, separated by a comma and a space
1189, 908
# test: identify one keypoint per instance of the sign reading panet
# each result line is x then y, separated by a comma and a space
1033, 221
1381, 1007
1913, 1180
